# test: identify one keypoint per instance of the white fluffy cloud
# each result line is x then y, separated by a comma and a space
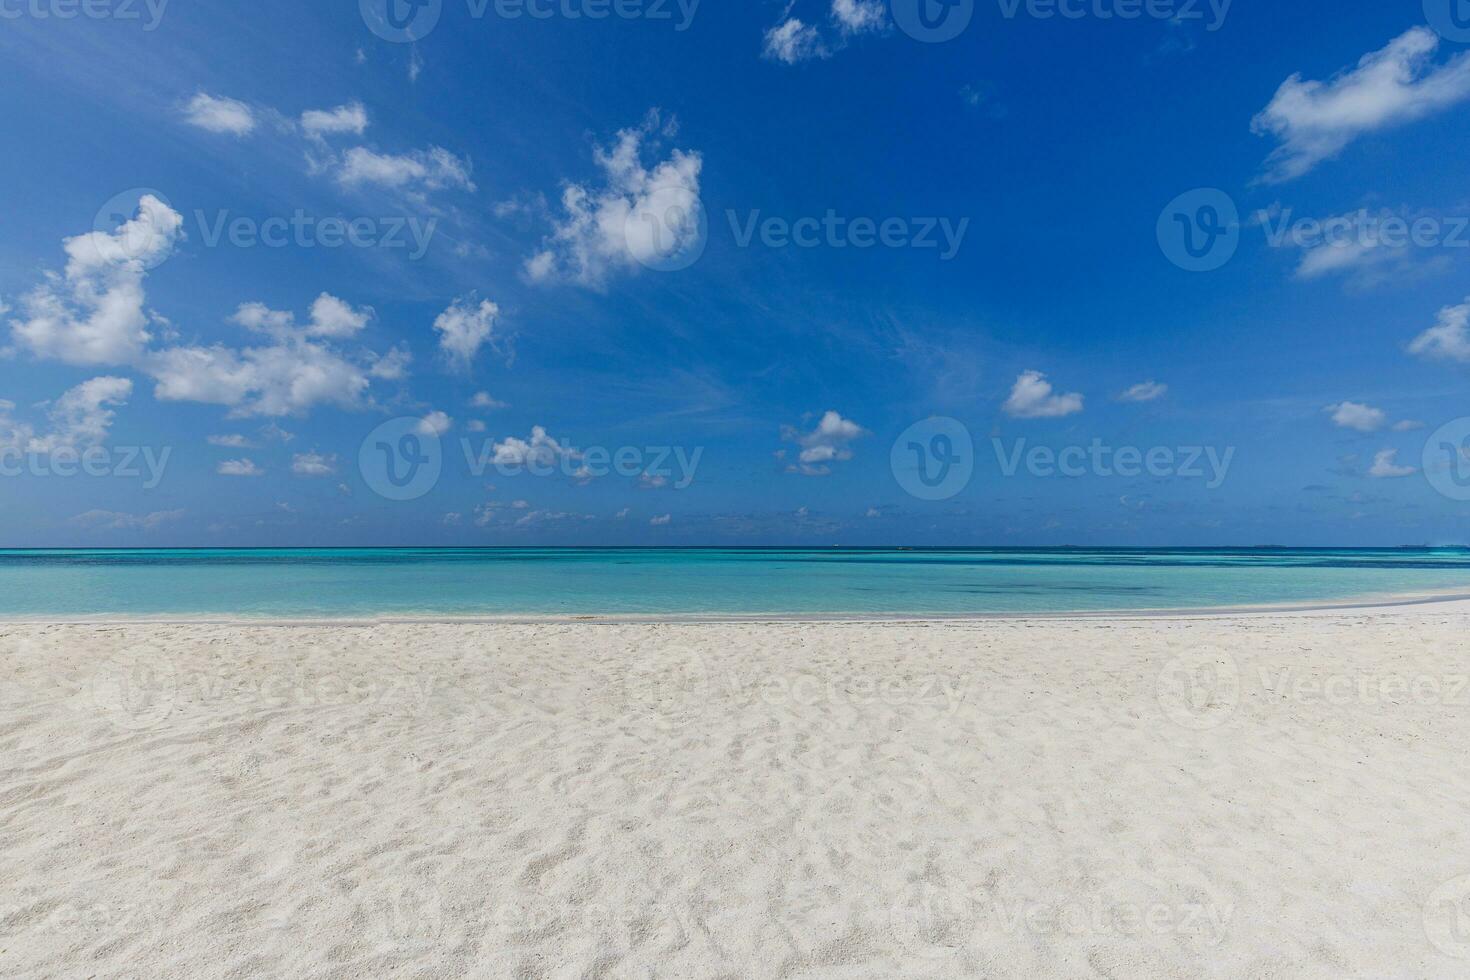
350, 118
541, 450
79, 418
287, 378
432, 169
332, 317
435, 424
1145, 391
791, 41
1032, 397
1449, 338
1314, 120
313, 464
638, 217
1357, 416
465, 327
239, 467
858, 16
219, 115
661, 520
93, 313
1385, 466
392, 366
829, 442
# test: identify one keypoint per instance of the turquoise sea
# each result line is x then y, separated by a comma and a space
409, 582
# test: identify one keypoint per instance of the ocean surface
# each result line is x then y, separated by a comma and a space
409, 582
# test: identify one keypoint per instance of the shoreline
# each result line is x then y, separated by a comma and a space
1376, 603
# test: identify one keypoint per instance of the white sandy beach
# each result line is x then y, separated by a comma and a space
1256, 796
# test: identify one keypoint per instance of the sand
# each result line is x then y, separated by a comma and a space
1265, 796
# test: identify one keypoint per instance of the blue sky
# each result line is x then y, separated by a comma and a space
895, 231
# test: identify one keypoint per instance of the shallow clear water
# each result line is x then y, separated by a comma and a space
574, 581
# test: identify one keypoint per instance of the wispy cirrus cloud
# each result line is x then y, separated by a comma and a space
1145, 391
79, 418
1314, 121
117, 520
417, 170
